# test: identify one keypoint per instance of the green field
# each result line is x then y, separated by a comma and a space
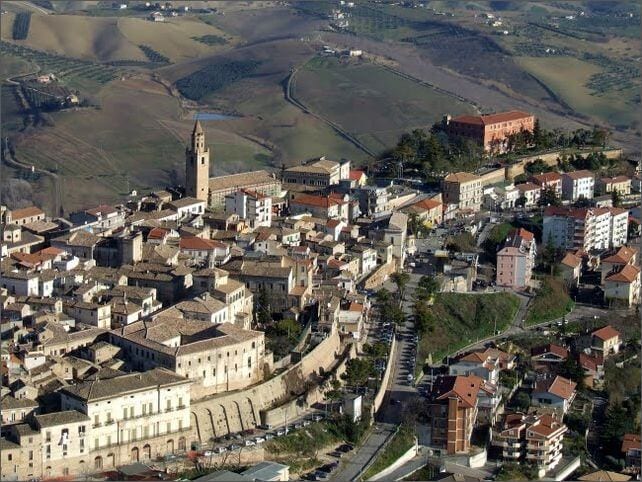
567, 77
461, 319
370, 102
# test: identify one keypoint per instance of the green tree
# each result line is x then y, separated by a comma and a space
358, 370
262, 311
400, 279
549, 197
571, 369
522, 401
616, 197
427, 286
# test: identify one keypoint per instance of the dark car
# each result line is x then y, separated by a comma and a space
345, 448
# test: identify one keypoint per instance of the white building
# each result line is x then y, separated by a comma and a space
585, 228
187, 205
578, 184
132, 407
255, 208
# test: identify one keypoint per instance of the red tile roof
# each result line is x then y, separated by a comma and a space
525, 234
427, 204
527, 186
27, 212
465, 388
550, 348
157, 233
316, 201
628, 274
606, 333
623, 256
631, 441
546, 177
356, 175
562, 387
195, 243
571, 260
581, 174
590, 362
101, 210
492, 118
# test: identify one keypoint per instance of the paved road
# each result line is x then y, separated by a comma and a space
354, 463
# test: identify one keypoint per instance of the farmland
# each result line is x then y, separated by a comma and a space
372, 103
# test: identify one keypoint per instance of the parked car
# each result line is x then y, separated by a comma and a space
259, 440
208, 453
279, 433
306, 423
220, 450
233, 447
269, 436
345, 448
336, 454
318, 417
249, 443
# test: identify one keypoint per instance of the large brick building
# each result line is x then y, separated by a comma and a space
490, 131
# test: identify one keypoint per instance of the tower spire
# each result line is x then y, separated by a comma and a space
198, 129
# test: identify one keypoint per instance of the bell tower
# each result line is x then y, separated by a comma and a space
197, 165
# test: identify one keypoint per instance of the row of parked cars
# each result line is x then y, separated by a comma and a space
324, 472
246, 438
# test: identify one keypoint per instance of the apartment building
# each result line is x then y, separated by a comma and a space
429, 211
253, 207
578, 184
321, 206
516, 259
548, 180
619, 184
453, 409
623, 286
585, 228
535, 439
490, 131
606, 341
464, 190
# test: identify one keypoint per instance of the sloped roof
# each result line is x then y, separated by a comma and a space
26, 212
550, 348
560, 386
581, 174
465, 388
490, 119
571, 260
628, 274
631, 441
622, 256
461, 177
606, 333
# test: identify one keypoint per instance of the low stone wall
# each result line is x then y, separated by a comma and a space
493, 177
409, 455
235, 411
379, 276
378, 400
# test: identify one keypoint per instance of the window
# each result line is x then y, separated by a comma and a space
131, 412
149, 407
169, 427
96, 443
125, 413
30, 455
48, 437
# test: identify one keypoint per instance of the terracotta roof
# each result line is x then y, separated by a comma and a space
590, 362
157, 233
465, 388
550, 348
192, 242
605, 475
26, 212
354, 306
527, 186
606, 333
571, 260
631, 441
243, 179
492, 118
616, 179
52, 251
461, 177
546, 177
356, 175
525, 234
623, 256
317, 201
581, 174
560, 386
332, 223
101, 210
426, 204
628, 274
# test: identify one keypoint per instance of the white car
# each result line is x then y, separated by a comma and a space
220, 450
259, 440
279, 433
208, 453
249, 443
410, 378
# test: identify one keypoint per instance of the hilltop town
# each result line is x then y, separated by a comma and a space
482, 324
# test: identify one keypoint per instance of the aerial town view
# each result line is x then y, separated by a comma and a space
369, 240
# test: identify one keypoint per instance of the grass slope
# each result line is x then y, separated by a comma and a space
372, 103
98, 151
550, 303
461, 319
